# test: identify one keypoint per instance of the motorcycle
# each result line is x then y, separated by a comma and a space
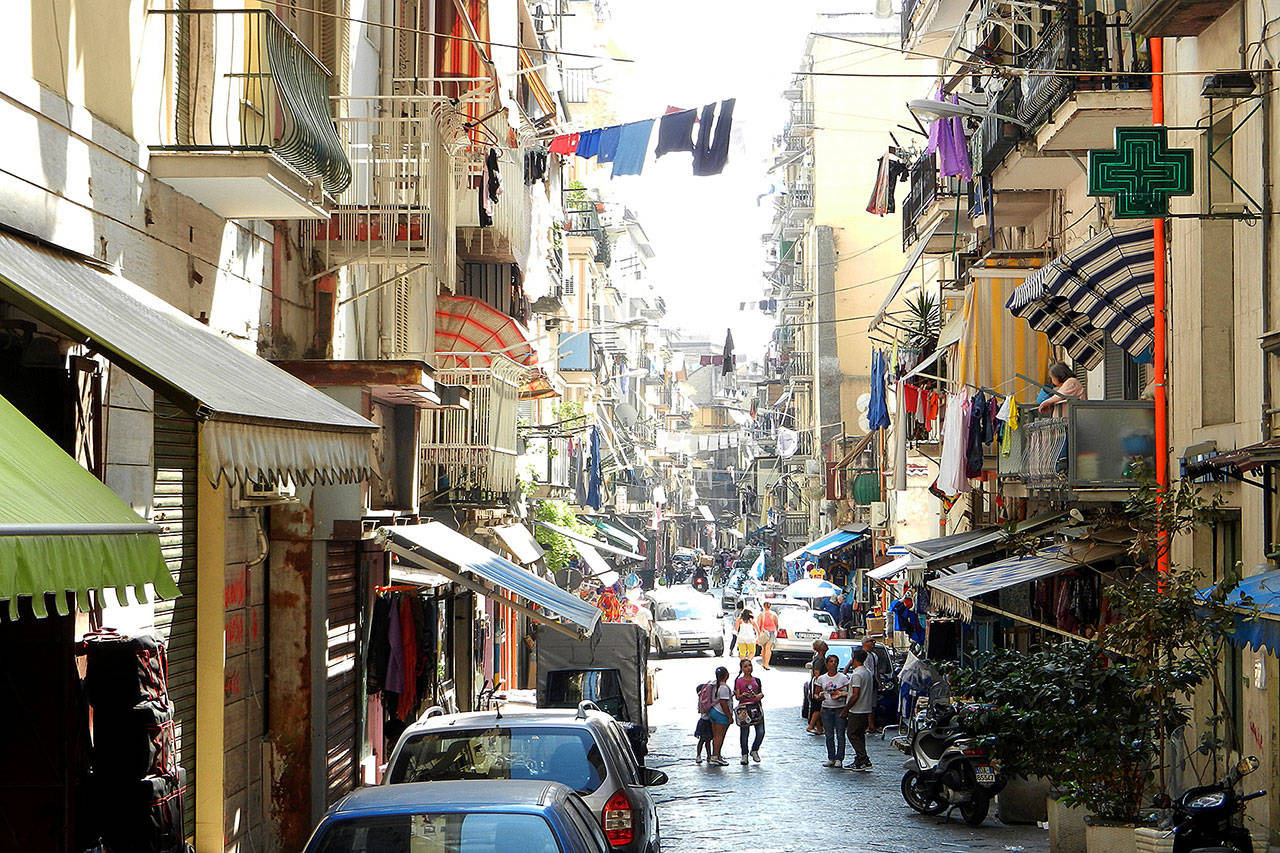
946, 768
699, 579
1206, 818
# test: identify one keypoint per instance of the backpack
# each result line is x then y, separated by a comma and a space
706, 697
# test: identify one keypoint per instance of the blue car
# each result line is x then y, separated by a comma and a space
460, 817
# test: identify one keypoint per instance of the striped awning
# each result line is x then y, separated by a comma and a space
1105, 286
994, 346
466, 325
955, 593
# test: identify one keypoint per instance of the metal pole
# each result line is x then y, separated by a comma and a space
1160, 320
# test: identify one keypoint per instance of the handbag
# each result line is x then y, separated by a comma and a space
749, 715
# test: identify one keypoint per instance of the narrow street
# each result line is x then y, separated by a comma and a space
790, 802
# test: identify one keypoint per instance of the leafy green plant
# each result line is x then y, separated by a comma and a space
559, 550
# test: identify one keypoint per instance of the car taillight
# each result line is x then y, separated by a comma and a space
835, 635
618, 821
782, 633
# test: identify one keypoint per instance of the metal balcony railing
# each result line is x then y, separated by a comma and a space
799, 366
800, 197
1078, 42
1102, 444
924, 187
802, 116
242, 81
795, 525
995, 137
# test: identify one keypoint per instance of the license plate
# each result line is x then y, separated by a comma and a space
985, 775
809, 636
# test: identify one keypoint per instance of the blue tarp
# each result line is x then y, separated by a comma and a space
1260, 592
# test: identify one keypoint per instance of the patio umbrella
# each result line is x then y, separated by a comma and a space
811, 588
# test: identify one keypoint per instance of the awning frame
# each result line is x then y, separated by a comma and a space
916, 254
587, 540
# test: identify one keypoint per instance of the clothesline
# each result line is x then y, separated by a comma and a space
626, 146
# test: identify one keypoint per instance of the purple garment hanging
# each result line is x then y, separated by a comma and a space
946, 137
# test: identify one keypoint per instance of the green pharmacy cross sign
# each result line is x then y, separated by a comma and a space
1142, 172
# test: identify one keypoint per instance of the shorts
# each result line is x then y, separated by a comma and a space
766, 637
717, 716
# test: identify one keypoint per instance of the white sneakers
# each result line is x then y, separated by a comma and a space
717, 760
755, 756
744, 761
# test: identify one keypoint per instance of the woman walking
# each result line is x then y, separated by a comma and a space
768, 625
721, 714
747, 635
749, 693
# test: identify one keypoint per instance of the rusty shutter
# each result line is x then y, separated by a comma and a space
341, 697
174, 511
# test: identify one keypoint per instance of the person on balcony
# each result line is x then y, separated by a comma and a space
1065, 387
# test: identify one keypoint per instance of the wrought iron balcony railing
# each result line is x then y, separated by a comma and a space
995, 137
244, 82
924, 187
799, 365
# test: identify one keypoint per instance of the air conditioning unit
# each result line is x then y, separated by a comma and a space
879, 514
263, 493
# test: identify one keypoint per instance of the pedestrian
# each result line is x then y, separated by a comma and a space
733, 639
749, 692
702, 731
879, 665
721, 714
832, 606
768, 625
846, 617
861, 703
817, 666
831, 689
745, 630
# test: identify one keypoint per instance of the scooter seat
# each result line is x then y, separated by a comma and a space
935, 744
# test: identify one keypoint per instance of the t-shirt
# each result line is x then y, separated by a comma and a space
742, 684
723, 691
864, 681
834, 690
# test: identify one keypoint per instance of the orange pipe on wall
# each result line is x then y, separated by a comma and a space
1159, 354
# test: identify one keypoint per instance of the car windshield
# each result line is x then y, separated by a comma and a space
844, 653
669, 610
568, 755
486, 832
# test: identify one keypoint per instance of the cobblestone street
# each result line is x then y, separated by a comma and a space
790, 802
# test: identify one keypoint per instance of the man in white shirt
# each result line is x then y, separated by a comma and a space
861, 702
831, 689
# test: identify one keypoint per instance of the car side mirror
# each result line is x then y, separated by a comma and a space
650, 777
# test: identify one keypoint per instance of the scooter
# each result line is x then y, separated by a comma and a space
1206, 818
699, 579
947, 768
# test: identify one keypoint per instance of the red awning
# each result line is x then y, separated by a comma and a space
466, 325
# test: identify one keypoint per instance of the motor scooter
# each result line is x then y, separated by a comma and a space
1206, 819
946, 768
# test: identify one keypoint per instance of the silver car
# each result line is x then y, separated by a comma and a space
586, 750
685, 621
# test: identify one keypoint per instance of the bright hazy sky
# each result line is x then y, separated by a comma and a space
706, 230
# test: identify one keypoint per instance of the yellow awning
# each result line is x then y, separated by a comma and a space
995, 345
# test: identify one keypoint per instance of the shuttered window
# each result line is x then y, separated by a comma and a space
341, 696
1119, 373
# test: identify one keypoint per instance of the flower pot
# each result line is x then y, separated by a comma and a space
1066, 827
1148, 839
1023, 800
1109, 836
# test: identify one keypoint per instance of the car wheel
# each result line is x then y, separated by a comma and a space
718, 651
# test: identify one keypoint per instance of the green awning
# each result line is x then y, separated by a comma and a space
62, 529
619, 536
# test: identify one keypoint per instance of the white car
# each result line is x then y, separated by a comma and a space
685, 620
798, 628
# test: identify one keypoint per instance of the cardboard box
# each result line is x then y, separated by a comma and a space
875, 626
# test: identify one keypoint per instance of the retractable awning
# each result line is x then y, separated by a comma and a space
257, 421
912, 260
895, 567
963, 547
830, 542
587, 540
1257, 597
617, 534
955, 593
597, 566
705, 512
62, 530
520, 542
438, 548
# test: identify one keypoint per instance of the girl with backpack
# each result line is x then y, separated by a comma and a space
702, 731
749, 692
716, 697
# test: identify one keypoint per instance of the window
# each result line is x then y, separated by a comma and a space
554, 754
670, 610
1217, 291
569, 287
585, 822
487, 832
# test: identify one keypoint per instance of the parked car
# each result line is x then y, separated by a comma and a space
685, 620
466, 817
587, 750
798, 628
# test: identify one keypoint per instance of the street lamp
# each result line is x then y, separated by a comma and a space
943, 109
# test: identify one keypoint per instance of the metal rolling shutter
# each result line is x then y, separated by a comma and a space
341, 696
174, 510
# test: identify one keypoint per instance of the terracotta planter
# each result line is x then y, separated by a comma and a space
1109, 837
1066, 827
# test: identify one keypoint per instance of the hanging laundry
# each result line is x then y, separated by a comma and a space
879, 203
952, 479
727, 366
588, 144
675, 131
535, 166
973, 441
607, 148
711, 153
1010, 426
566, 144
593, 481
633, 144
878, 410
910, 398
946, 137
483, 200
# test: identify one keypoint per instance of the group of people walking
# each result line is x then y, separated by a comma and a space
843, 703
751, 631
717, 712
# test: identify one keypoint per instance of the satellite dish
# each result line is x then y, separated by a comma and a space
864, 423
864, 402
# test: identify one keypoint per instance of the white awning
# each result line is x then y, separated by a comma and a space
912, 260
597, 566
520, 542
705, 512
895, 567
587, 540
257, 421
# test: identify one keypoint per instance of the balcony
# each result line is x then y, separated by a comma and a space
1070, 114
469, 456
799, 201
801, 122
1095, 451
552, 468
799, 367
795, 526
995, 137
1175, 18
252, 136
930, 23
930, 198
508, 238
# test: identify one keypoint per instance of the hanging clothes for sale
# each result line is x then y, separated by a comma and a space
566, 144
379, 645
878, 409
675, 131
712, 151
409, 648
588, 144
607, 147
946, 139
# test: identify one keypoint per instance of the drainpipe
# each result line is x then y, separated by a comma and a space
1160, 323
1268, 477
